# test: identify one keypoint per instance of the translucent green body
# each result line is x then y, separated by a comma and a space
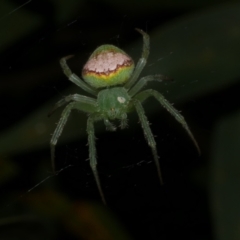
113, 103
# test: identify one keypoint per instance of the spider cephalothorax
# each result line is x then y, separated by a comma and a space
111, 77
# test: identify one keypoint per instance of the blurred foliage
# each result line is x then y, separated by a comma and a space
225, 196
197, 44
84, 219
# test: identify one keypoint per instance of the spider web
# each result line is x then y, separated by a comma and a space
16, 61
33, 82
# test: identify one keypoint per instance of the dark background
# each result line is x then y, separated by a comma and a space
195, 43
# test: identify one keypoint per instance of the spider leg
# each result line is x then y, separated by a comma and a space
82, 105
143, 81
141, 62
92, 153
58, 130
148, 135
75, 97
167, 105
74, 78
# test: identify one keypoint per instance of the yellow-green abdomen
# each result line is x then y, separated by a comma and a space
107, 66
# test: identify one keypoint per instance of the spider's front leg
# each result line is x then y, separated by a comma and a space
82, 103
64, 117
148, 135
169, 107
92, 152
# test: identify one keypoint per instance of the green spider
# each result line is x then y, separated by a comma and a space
110, 75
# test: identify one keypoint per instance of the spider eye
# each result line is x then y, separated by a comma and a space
107, 66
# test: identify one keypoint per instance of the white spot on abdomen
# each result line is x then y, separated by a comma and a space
121, 99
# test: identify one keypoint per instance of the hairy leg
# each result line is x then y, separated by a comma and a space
64, 117
74, 78
92, 153
148, 135
84, 100
143, 81
141, 62
173, 111
83, 105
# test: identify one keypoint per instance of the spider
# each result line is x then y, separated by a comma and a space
111, 76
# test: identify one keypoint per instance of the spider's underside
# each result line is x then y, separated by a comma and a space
111, 77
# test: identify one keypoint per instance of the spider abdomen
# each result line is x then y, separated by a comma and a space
113, 103
107, 66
